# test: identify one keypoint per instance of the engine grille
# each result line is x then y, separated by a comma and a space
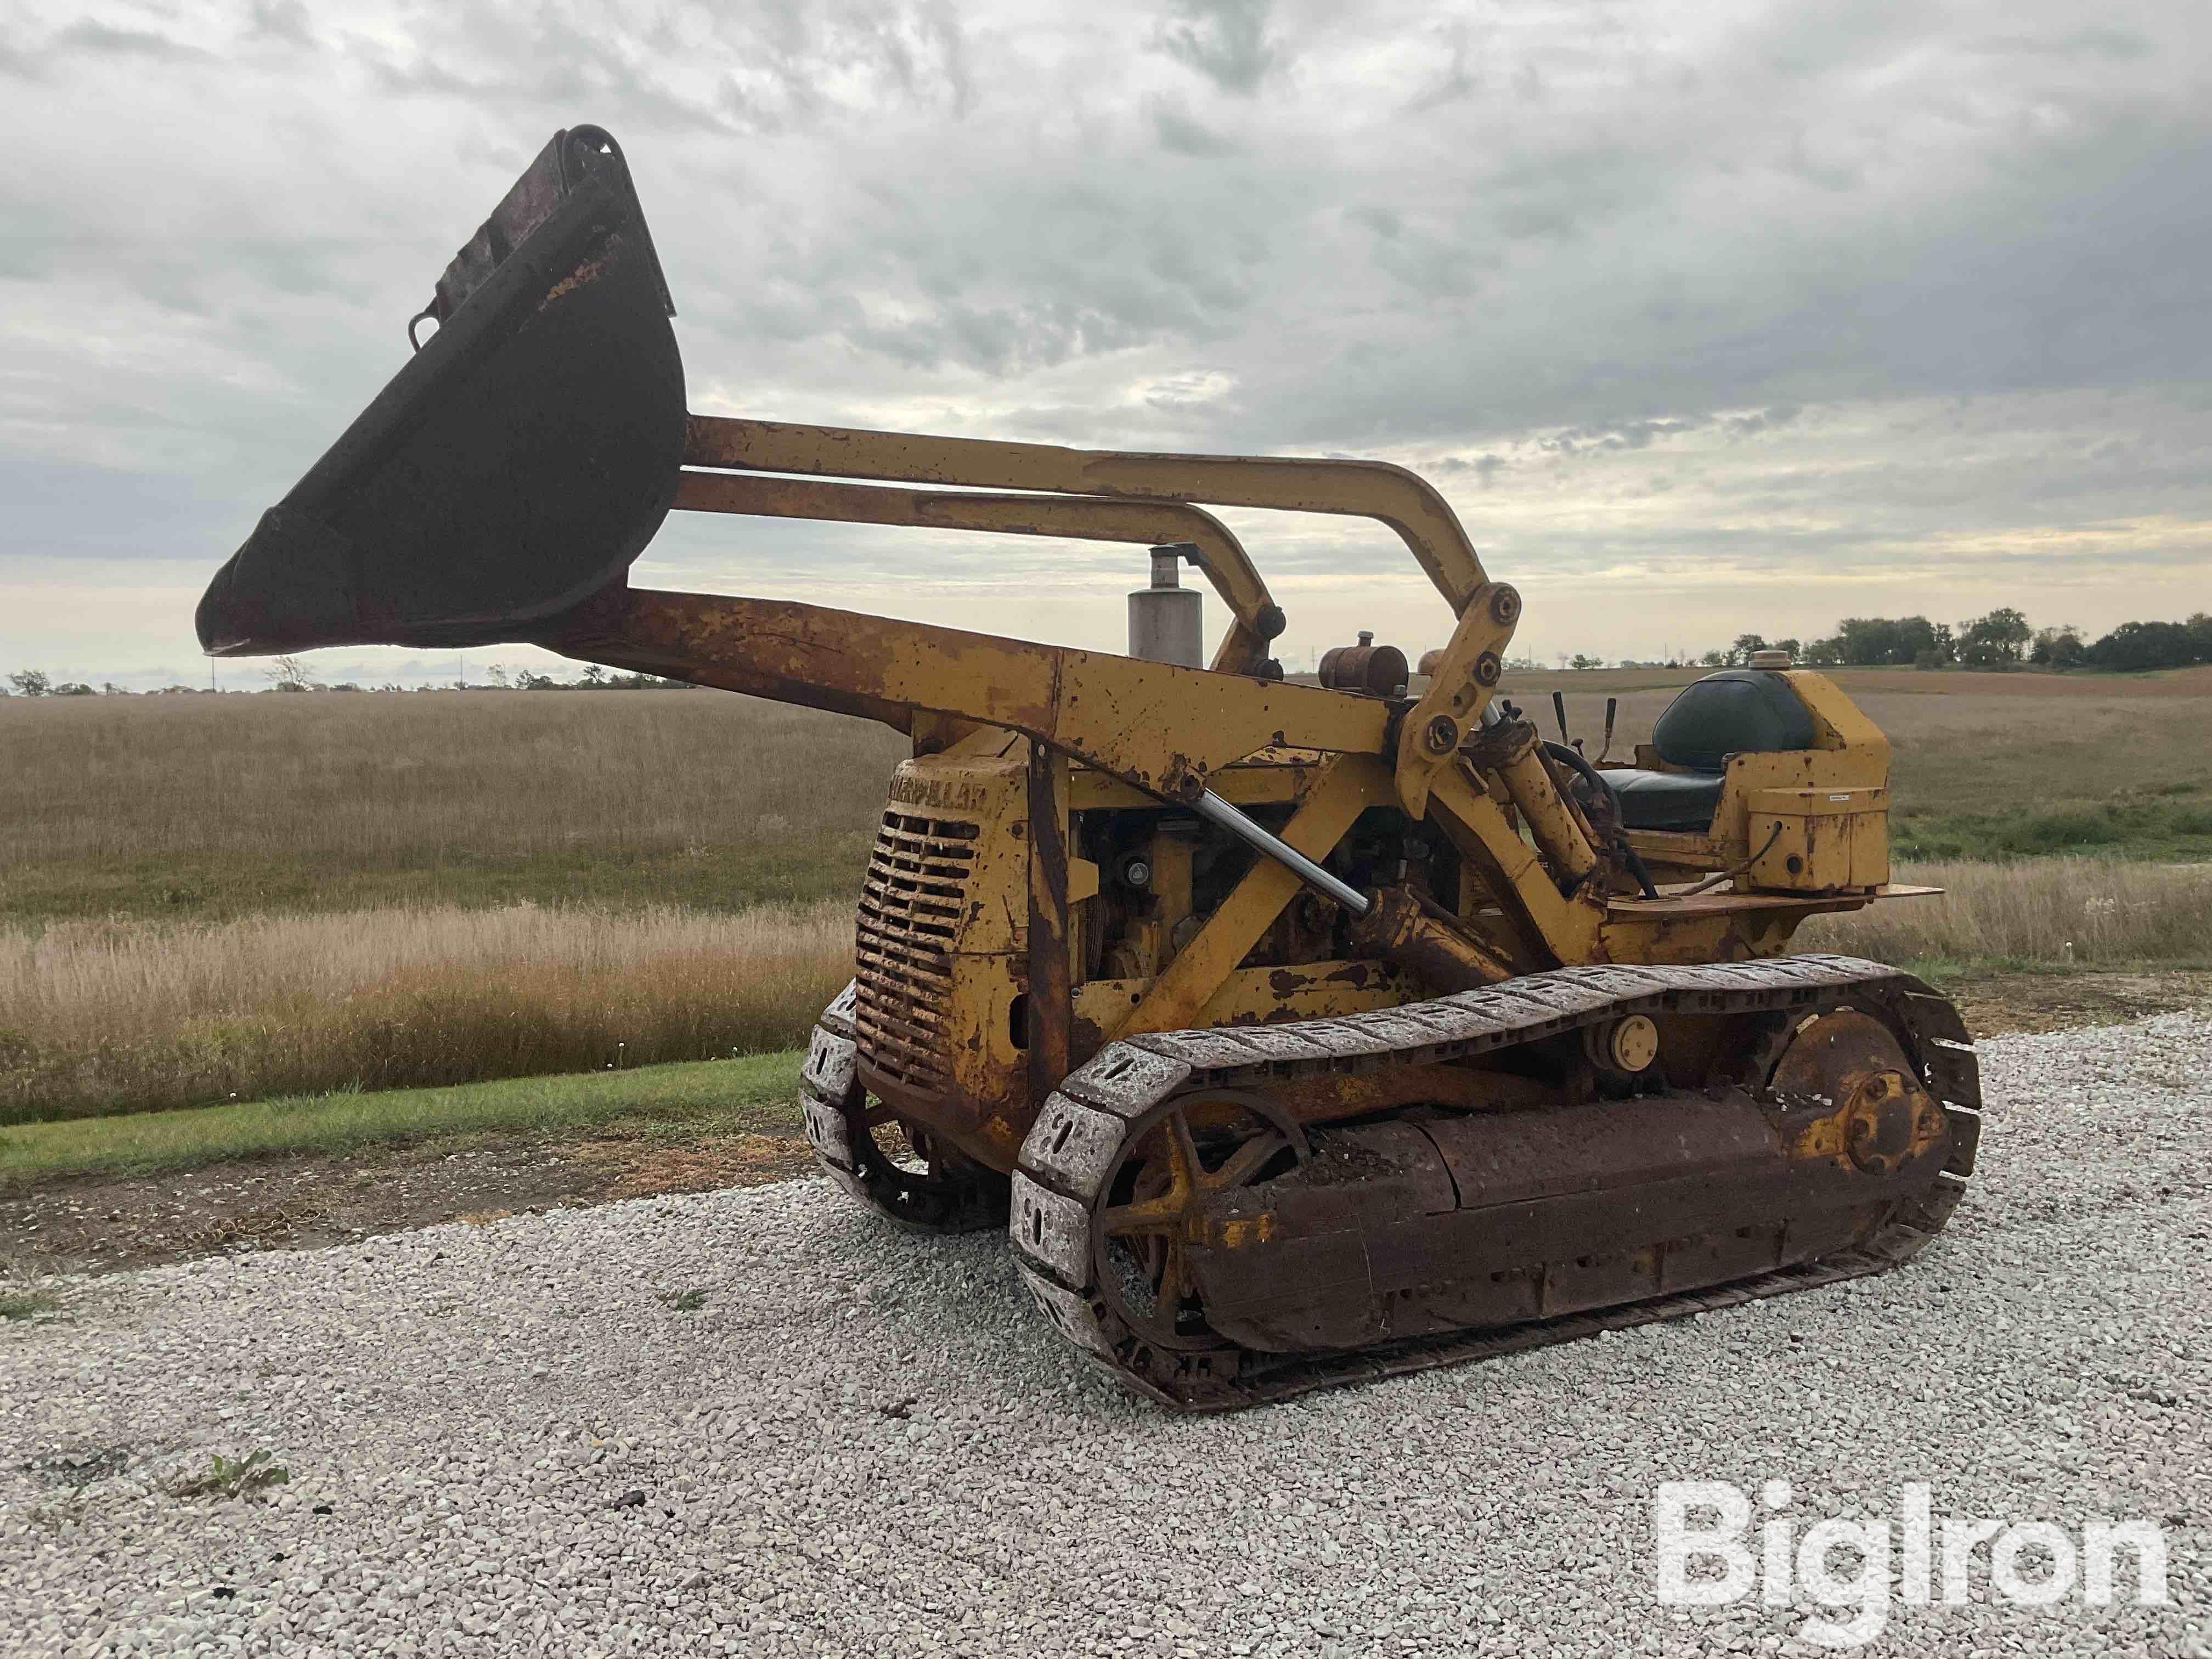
910, 909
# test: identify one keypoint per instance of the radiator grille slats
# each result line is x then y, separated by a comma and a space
910, 907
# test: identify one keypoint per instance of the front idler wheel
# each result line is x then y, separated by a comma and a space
1176, 1160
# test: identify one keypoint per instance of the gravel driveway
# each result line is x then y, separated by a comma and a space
521, 1437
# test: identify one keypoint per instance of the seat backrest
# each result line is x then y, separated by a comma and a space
1738, 711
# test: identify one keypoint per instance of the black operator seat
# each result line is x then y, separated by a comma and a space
1738, 711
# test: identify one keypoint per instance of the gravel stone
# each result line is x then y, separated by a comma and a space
866, 1442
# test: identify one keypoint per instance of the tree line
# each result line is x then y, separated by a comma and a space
2002, 638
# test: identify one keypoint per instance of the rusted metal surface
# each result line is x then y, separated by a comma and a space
1160, 728
976, 1016
1558, 832
1272, 777
1854, 1096
1557, 1210
572, 160
1554, 927
1346, 786
1459, 688
515, 465
912, 901
1369, 669
1502, 743
1221, 815
1373, 489
935, 1189
1050, 996
1215, 550
1249, 996
1824, 840
1443, 1236
1435, 948
1186, 1154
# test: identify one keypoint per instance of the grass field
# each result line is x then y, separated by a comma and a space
210, 807
203, 898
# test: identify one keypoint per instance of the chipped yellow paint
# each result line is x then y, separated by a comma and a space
1236, 1234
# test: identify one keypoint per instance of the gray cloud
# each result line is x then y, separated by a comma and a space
1178, 132
1456, 78
1225, 40
1863, 280
280, 20
91, 39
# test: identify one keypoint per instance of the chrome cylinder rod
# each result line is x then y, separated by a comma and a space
1214, 809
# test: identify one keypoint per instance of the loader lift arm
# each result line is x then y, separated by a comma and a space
1404, 501
1161, 729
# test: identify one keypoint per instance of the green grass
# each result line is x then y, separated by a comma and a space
756, 1094
2170, 821
27, 1304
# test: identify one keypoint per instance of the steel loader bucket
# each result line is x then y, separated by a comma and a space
514, 466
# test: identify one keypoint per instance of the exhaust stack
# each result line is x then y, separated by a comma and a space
1166, 620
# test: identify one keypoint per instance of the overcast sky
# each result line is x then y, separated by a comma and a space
1707, 317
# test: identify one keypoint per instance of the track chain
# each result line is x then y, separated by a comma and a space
960, 1200
1080, 1131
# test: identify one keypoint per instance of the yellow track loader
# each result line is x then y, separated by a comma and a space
1297, 1034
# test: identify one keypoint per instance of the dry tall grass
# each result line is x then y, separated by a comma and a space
2051, 910
120, 1017
104, 1018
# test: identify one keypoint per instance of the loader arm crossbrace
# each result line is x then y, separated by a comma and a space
1373, 489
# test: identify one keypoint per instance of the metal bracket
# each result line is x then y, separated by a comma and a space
1430, 735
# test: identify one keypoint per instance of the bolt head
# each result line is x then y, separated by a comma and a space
1442, 735
1488, 670
1505, 607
